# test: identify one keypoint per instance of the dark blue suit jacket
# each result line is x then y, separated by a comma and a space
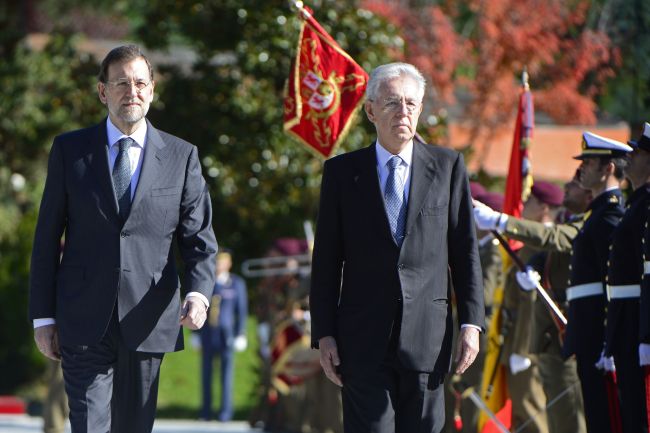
107, 261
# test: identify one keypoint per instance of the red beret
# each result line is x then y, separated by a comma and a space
476, 189
290, 246
493, 199
548, 193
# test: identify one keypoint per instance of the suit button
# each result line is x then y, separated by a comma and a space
125, 234
400, 266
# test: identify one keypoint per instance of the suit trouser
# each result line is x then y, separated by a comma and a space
631, 387
226, 360
392, 398
111, 388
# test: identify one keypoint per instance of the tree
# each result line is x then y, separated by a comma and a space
481, 48
264, 184
45, 93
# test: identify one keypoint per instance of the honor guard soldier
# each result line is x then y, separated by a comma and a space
644, 325
623, 289
223, 333
559, 376
601, 171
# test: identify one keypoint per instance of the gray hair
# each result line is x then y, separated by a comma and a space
391, 71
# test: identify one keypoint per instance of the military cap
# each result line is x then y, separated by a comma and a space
493, 199
290, 246
476, 189
547, 192
595, 145
644, 141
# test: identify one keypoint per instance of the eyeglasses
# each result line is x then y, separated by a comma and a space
125, 85
395, 105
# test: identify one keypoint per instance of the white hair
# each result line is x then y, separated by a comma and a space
389, 72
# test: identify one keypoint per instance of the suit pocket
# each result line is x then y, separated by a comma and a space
434, 210
167, 191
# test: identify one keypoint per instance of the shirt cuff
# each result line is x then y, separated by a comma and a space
469, 325
44, 322
200, 296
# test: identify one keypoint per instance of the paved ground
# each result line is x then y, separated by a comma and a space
27, 424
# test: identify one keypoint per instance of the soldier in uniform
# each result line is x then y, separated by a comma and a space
522, 372
623, 290
644, 320
559, 377
224, 332
601, 171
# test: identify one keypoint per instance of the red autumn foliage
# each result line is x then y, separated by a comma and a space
568, 63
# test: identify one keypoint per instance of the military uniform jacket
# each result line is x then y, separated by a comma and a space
555, 268
586, 328
492, 268
644, 304
229, 321
624, 276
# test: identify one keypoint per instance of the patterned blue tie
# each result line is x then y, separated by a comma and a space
395, 203
122, 177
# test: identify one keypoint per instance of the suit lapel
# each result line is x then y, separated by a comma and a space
423, 171
151, 165
367, 181
97, 160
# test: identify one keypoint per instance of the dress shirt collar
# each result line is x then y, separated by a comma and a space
383, 155
223, 278
115, 135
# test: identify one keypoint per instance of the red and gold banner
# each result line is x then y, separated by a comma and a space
325, 89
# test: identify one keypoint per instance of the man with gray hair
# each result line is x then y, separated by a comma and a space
394, 235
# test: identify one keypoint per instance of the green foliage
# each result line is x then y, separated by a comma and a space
45, 93
264, 184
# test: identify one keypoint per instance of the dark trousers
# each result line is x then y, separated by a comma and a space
393, 399
226, 360
631, 386
111, 388
594, 393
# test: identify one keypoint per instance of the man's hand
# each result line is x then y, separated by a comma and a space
193, 313
47, 341
329, 359
485, 217
466, 350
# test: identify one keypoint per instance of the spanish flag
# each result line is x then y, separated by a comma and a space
325, 89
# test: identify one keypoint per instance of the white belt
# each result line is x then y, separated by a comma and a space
584, 290
627, 291
646, 267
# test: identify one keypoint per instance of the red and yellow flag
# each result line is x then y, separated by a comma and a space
325, 88
520, 178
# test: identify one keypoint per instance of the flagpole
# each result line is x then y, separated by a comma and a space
524, 79
304, 14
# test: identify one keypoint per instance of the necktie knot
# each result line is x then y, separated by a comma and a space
125, 143
394, 162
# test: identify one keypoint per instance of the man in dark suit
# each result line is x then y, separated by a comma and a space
110, 307
394, 233
224, 332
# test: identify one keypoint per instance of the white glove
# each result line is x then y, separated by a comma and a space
519, 363
240, 343
528, 280
195, 341
606, 362
644, 354
485, 217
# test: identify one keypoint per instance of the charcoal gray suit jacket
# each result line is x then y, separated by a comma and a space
107, 262
361, 278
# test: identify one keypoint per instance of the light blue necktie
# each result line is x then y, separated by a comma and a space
122, 177
395, 203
